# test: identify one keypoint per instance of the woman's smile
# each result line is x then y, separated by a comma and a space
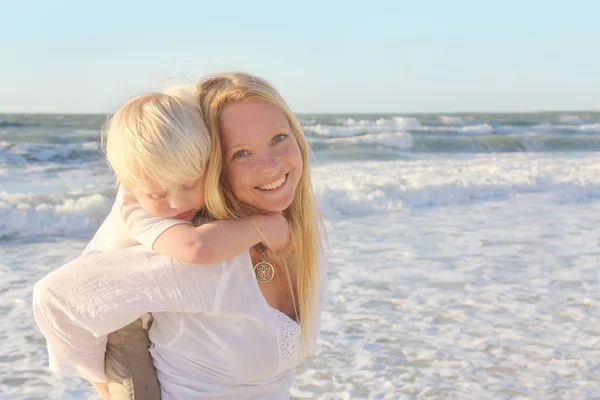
274, 185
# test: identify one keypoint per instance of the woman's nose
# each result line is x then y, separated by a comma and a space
269, 163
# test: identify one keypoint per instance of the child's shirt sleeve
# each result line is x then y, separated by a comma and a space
144, 227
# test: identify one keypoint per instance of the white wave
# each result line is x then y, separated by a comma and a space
548, 127
307, 121
357, 188
335, 130
455, 121
351, 127
91, 146
407, 123
479, 129
570, 119
589, 127
55, 214
362, 188
400, 140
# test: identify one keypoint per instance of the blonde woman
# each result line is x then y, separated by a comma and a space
231, 330
157, 145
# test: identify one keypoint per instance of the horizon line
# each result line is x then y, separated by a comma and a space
349, 112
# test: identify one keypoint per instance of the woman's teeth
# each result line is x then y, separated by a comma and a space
274, 185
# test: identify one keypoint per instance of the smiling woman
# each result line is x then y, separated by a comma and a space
263, 162
257, 141
224, 330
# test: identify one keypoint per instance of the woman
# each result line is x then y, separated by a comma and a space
227, 331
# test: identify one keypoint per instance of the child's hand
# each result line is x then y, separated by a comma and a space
274, 228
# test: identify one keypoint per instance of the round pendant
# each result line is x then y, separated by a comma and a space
264, 271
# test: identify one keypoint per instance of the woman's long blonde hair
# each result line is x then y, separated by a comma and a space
215, 92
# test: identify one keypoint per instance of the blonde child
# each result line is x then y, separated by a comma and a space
157, 145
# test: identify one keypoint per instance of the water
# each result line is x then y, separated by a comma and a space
463, 249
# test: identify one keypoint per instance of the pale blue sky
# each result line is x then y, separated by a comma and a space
324, 56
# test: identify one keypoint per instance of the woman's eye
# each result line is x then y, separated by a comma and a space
157, 196
279, 138
239, 154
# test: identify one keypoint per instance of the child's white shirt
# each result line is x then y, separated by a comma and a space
128, 225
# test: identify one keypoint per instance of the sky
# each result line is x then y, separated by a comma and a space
323, 56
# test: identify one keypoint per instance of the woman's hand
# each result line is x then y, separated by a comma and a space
275, 229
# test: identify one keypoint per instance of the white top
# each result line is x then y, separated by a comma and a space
129, 225
213, 336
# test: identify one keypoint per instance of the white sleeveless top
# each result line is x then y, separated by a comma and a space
214, 335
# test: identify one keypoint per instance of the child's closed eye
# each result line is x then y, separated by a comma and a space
157, 196
190, 185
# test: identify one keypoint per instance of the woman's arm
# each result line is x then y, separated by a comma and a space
77, 305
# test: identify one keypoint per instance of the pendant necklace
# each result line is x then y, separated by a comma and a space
263, 270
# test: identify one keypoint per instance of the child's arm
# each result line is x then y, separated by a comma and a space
220, 241
210, 243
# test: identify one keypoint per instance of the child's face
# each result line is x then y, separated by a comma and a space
180, 201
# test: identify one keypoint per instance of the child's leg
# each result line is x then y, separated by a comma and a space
129, 368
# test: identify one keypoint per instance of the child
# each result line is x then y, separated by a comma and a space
157, 146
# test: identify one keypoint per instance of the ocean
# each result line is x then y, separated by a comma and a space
463, 251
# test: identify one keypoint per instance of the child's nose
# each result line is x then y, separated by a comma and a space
177, 203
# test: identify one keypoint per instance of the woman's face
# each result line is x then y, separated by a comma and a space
261, 156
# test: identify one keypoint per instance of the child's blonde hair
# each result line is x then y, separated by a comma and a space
158, 137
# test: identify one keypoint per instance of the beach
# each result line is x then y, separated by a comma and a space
463, 251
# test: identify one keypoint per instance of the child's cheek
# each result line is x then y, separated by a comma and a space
159, 209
